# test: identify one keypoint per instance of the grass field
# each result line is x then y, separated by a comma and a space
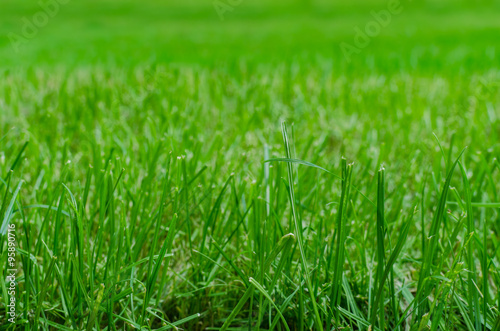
226, 165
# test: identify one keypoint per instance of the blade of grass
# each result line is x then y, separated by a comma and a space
9, 211
473, 298
340, 240
423, 288
379, 281
298, 231
268, 297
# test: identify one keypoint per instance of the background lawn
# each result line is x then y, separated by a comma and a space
134, 192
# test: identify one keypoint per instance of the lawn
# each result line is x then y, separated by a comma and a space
250, 165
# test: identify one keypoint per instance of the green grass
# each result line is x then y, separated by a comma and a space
168, 170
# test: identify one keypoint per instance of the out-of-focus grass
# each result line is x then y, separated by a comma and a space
426, 35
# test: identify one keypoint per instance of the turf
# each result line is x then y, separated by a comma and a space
166, 169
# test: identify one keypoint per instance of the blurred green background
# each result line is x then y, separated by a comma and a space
427, 35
